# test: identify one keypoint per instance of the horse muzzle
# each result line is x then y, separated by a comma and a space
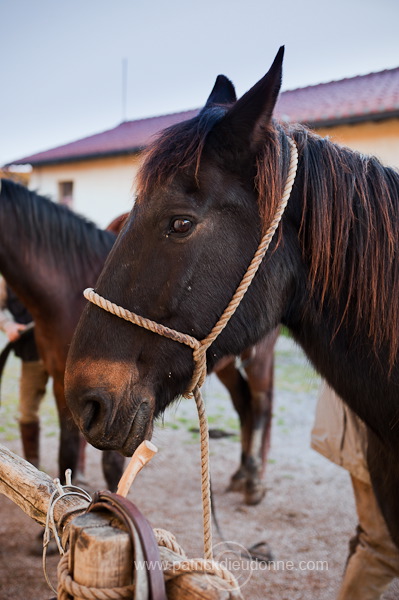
140, 430
107, 424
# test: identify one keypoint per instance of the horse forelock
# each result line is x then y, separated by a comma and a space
177, 148
64, 235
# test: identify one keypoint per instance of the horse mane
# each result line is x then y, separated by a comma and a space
349, 235
350, 214
68, 238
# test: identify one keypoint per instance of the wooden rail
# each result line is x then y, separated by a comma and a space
31, 490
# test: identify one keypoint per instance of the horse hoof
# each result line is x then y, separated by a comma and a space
238, 482
254, 493
261, 552
236, 486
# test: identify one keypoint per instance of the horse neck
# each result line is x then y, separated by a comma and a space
38, 271
18, 260
345, 318
348, 233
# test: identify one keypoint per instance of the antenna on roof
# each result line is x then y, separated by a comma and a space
124, 88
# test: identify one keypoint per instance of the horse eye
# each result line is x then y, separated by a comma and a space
180, 226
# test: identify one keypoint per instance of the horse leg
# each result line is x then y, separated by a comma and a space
259, 369
241, 397
113, 464
258, 445
253, 401
68, 453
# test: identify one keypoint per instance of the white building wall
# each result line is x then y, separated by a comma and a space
102, 189
379, 138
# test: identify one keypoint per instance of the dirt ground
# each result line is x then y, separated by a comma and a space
306, 517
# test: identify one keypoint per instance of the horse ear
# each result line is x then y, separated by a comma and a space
253, 111
223, 92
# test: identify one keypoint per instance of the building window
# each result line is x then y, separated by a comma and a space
65, 193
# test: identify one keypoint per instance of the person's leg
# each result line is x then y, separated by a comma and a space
31, 391
374, 561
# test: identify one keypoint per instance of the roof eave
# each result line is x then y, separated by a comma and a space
313, 124
352, 119
78, 158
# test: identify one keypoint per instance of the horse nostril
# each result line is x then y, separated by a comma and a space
93, 411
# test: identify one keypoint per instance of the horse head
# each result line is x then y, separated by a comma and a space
191, 235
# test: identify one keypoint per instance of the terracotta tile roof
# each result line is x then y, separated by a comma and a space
348, 100
373, 96
126, 138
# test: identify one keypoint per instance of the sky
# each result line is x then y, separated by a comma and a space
61, 74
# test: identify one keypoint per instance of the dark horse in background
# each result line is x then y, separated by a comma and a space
48, 254
207, 189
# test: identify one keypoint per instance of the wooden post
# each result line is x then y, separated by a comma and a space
101, 555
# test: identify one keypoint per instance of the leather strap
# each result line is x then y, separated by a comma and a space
141, 532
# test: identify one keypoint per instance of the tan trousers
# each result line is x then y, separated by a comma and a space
375, 559
32, 388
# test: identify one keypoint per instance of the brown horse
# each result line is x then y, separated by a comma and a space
48, 255
57, 255
207, 190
